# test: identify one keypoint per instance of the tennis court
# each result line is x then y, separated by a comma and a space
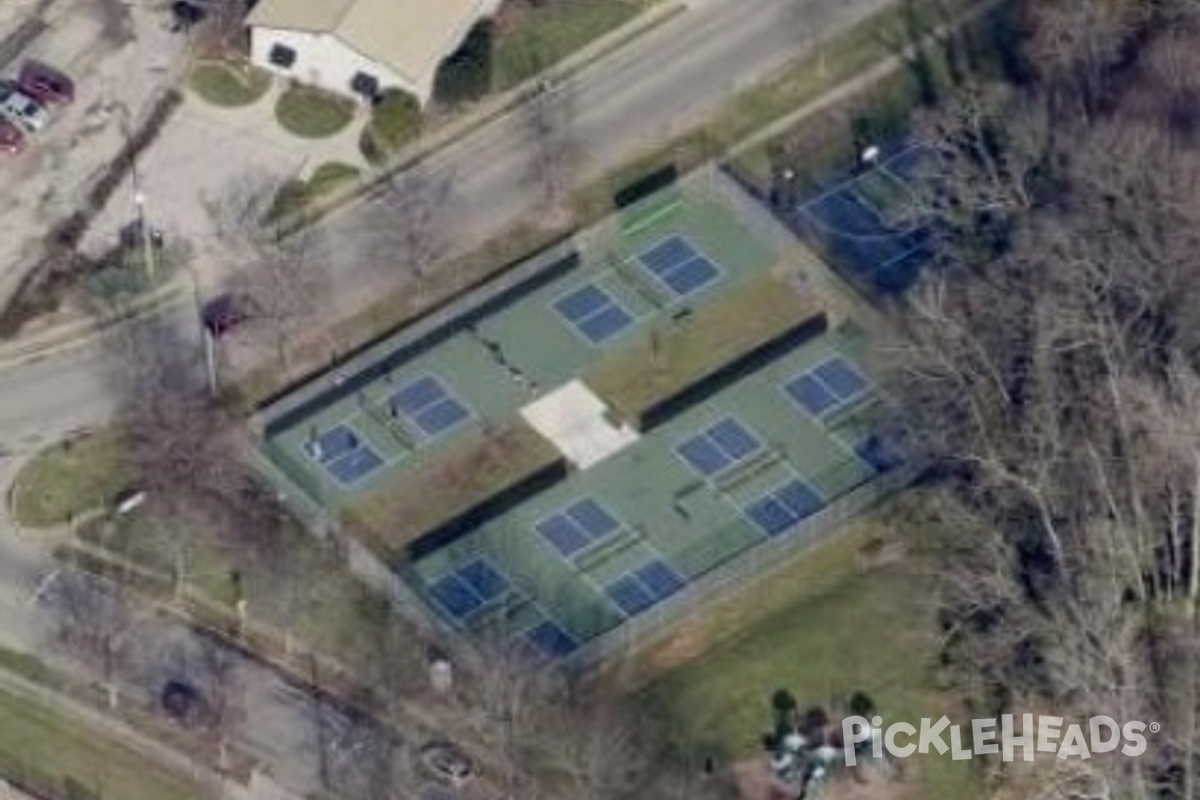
613, 541
411, 426
361, 437
867, 222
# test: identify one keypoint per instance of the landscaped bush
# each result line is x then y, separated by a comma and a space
395, 121
311, 113
467, 74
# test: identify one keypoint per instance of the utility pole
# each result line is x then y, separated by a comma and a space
150, 244
139, 201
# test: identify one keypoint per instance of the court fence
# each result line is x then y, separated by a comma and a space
735, 575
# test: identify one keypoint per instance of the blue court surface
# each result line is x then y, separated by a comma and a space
578, 526
876, 452
718, 448
346, 457
593, 313
470, 587
551, 640
426, 404
826, 387
866, 238
644, 586
332, 444
679, 266
782, 508
355, 465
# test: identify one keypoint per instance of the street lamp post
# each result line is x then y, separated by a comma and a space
139, 201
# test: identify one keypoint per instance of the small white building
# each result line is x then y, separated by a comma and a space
362, 47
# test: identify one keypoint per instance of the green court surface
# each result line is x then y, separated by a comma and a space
528, 337
412, 444
666, 510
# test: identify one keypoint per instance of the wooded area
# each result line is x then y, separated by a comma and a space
1052, 378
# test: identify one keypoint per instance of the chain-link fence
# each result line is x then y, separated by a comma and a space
736, 574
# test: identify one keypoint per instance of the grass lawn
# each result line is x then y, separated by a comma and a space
70, 478
329, 176
538, 37
822, 628
310, 113
229, 85
294, 195
51, 752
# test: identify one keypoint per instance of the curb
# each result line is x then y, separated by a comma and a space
75, 333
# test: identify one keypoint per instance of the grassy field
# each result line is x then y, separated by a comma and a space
717, 335
313, 114
73, 477
821, 628
538, 37
50, 752
229, 85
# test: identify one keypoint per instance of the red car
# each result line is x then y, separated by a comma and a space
46, 84
11, 138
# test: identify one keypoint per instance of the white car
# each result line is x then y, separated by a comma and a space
22, 110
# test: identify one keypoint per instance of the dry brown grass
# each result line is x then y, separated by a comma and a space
452, 482
681, 353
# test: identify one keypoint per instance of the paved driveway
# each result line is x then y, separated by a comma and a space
120, 56
202, 154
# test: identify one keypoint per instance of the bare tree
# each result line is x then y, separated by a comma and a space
508, 699
411, 220
1053, 376
363, 760
598, 747
93, 623
549, 114
215, 670
1077, 43
181, 446
282, 275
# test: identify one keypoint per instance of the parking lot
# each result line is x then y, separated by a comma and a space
121, 57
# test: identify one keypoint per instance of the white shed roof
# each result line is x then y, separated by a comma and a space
409, 36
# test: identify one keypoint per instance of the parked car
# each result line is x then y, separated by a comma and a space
46, 84
22, 110
225, 312
11, 138
186, 15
